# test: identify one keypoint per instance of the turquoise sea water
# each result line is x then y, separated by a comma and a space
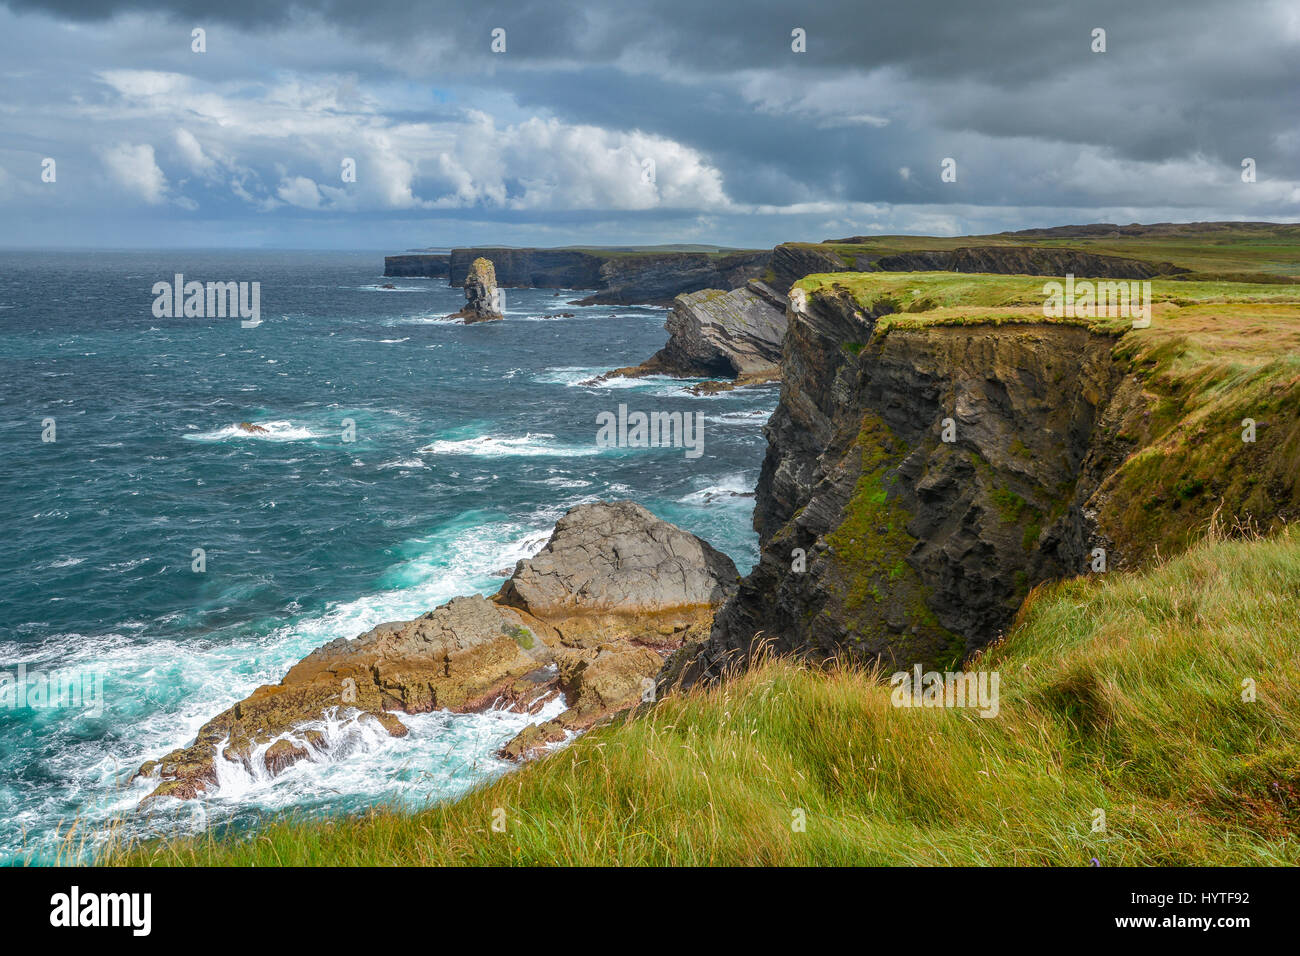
470, 441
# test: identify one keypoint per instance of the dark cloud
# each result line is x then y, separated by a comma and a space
1010, 89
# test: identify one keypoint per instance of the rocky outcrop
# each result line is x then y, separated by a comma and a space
591, 616
734, 334
482, 301
611, 679
431, 266
791, 261
619, 573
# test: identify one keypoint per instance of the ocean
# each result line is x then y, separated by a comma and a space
404, 460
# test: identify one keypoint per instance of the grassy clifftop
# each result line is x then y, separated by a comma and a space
1119, 693
1215, 416
915, 299
1208, 250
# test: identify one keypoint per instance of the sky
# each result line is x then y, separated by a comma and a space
635, 122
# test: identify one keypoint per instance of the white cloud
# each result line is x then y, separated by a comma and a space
134, 169
294, 134
192, 152
545, 164
301, 192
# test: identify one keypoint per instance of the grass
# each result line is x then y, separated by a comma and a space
920, 299
1260, 250
1216, 355
1208, 368
1119, 692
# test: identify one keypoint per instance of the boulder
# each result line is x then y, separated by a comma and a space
614, 570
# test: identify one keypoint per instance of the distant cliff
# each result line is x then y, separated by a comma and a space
792, 261
421, 265
620, 278
658, 278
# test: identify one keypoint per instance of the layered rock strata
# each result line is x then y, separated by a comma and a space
591, 616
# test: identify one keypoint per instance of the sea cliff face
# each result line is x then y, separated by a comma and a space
736, 335
658, 278
881, 538
531, 268
922, 477
792, 261
621, 278
421, 265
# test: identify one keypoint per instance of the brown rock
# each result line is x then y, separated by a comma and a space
283, 754
482, 301
612, 582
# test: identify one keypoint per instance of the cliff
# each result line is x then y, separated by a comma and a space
621, 277
1197, 251
793, 261
658, 278
930, 462
736, 335
531, 268
430, 266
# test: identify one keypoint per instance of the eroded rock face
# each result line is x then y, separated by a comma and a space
613, 591
433, 266
792, 261
882, 540
736, 335
1024, 260
621, 277
481, 296
613, 678
725, 333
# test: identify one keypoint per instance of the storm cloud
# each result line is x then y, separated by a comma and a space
646, 122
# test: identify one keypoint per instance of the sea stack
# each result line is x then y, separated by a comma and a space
482, 303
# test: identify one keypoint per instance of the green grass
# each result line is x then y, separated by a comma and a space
1118, 692
920, 299
1262, 250
1216, 354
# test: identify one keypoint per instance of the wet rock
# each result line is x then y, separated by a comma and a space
591, 616
282, 755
